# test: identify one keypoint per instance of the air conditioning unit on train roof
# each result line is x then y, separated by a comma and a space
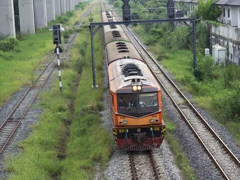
218, 54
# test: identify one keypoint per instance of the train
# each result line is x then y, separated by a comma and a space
135, 94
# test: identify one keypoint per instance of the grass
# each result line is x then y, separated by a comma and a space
180, 159
67, 126
16, 67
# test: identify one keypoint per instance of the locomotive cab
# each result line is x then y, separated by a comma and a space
138, 104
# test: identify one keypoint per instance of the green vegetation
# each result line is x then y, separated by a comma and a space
76, 133
208, 10
19, 57
180, 158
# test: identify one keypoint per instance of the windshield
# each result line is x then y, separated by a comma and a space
137, 104
148, 99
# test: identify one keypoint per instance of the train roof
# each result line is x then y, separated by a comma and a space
108, 28
120, 49
121, 73
115, 36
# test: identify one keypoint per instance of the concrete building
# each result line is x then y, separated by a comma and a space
26, 16
67, 5
50, 5
63, 6
57, 8
230, 12
7, 20
40, 13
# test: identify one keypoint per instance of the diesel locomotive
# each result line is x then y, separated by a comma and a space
135, 94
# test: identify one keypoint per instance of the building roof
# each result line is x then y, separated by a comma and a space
228, 2
186, 1
219, 2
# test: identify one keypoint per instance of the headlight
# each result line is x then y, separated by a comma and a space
139, 88
125, 122
120, 122
134, 88
157, 120
152, 120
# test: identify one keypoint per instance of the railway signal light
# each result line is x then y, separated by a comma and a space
56, 33
126, 10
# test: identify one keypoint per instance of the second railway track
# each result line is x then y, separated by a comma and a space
15, 117
226, 162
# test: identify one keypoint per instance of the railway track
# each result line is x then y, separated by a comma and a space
226, 162
14, 119
143, 166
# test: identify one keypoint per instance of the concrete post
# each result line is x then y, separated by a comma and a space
73, 6
70, 5
50, 10
7, 20
57, 8
63, 6
40, 13
26, 16
67, 5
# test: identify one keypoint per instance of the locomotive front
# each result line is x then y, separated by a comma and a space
136, 106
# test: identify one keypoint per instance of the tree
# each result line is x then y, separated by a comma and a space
208, 10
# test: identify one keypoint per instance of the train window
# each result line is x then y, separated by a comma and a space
127, 100
148, 99
137, 105
122, 51
109, 16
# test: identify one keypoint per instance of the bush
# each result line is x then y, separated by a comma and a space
229, 105
205, 69
66, 34
62, 19
117, 4
157, 33
150, 40
82, 48
8, 44
69, 13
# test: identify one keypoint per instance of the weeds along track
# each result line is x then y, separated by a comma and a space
85, 15
143, 166
14, 119
226, 162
